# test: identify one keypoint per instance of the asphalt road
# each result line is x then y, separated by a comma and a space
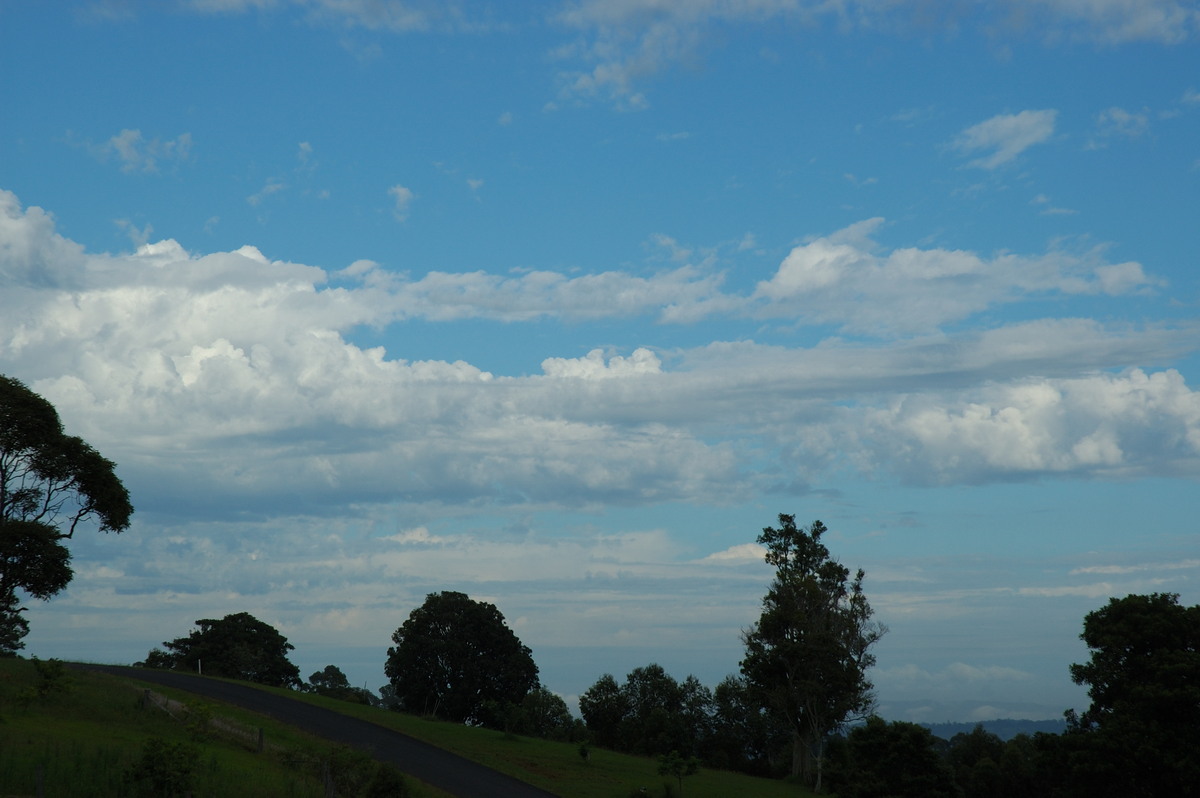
432, 765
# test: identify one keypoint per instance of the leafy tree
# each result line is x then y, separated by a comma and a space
236, 647
677, 766
453, 656
544, 714
50, 484
332, 683
1141, 734
807, 656
745, 737
891, 760
604, 707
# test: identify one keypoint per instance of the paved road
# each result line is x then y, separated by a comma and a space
432, 765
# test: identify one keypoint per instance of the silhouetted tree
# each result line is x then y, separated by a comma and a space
604, 707
456, 658
50, 484
890, 760
1141, 734
807, 656
236, 647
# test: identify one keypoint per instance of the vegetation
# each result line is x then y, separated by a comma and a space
50, 484
66, 734
807, 657
237, 646
457, 659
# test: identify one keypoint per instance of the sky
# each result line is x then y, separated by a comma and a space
559, 303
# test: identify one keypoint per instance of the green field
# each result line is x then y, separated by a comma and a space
89, 741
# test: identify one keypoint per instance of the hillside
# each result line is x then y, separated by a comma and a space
97, 733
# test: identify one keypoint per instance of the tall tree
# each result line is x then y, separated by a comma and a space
457, 658
237, 646
1141, 734
51, 483
807, 656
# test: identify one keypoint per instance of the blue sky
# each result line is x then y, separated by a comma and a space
560, 303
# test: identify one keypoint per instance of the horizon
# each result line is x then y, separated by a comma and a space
559, 305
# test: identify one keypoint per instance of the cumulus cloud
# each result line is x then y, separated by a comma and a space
1002, 138
230, 374
845, 279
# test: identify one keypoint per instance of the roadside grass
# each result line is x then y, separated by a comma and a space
89, 740
85, 742
557, 766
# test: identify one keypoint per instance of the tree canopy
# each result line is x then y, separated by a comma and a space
456, 658
1141, 734
807, 657
237, 646
51, 483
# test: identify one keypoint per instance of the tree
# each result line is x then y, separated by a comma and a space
1141, 734
236, 647
673, 764
891, 760
807, 656
544, 714
604, 707
50, 484
332, 683
456, 658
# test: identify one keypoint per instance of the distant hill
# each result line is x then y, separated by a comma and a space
1004, 728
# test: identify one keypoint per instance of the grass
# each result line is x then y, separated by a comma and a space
87, 741
557, 766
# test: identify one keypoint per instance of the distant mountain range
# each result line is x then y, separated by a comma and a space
1004, 728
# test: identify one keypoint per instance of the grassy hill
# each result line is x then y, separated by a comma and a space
98, 735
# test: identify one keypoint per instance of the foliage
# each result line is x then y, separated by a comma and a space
544, 714
745, 736
1141, 734
650, 714
678, 767
456, 658
165, 769
333, 683
807, 657
890, 760
50, 483
237, 646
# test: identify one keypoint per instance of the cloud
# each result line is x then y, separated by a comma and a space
1002, 138
402, 198
1131, 424
139, 154
845, 279
1118, 123
230, 375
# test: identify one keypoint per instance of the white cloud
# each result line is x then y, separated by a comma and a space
1002, 138
844, 279
402, 197
228, 375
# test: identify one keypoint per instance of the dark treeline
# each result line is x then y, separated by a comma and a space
801, 706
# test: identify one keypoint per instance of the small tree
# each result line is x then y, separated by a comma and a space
237, 646
457, 658
807, 656
50, 484
677, 766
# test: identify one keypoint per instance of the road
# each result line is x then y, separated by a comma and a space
435, 766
